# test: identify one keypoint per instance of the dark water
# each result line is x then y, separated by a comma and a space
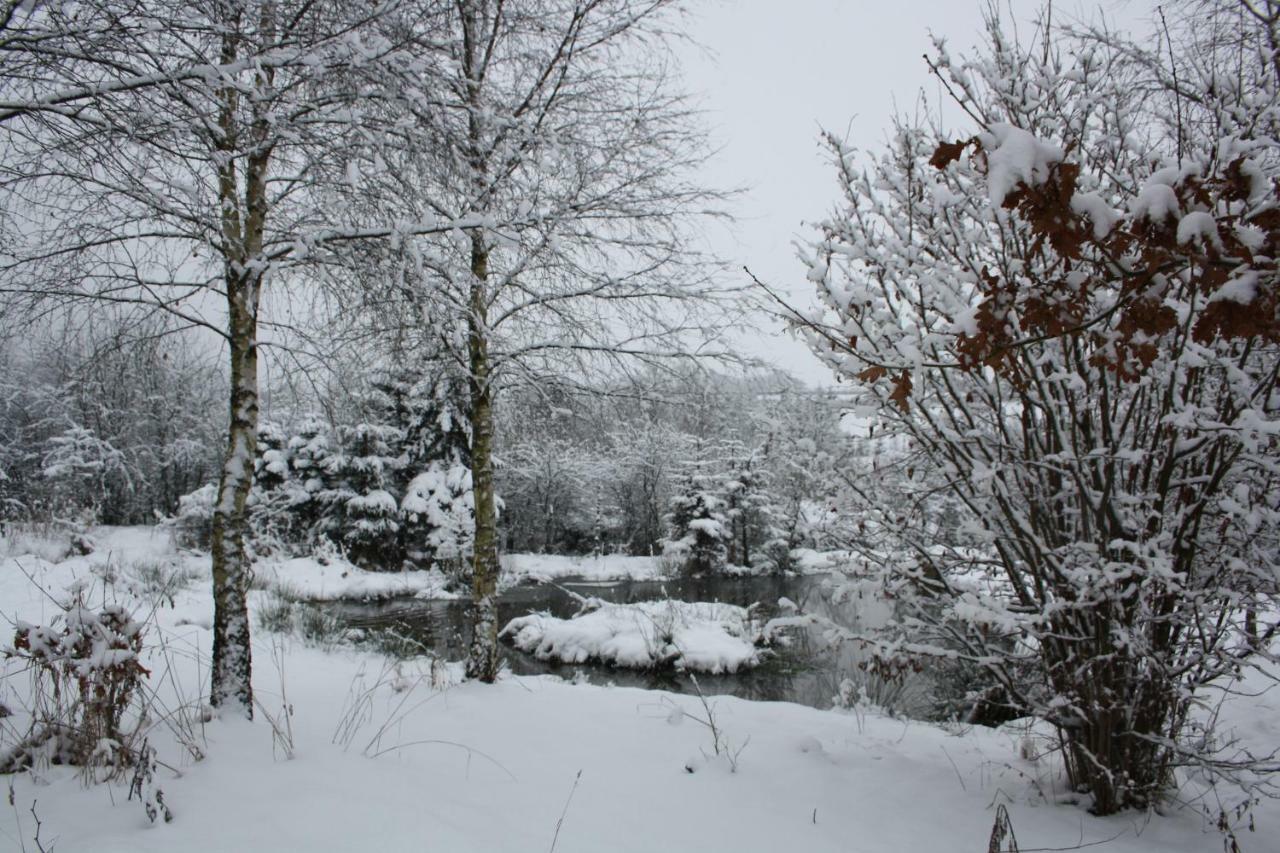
805, 670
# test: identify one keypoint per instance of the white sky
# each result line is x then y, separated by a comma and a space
771, 73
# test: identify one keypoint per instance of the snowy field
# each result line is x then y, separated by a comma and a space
375, 755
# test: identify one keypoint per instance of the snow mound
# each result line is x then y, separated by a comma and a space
699, 636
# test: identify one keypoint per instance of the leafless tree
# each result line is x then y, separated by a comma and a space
558, 132
184, 156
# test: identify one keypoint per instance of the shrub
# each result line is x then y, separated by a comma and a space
85, 672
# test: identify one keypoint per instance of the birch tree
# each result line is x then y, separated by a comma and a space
186, 157
557, 131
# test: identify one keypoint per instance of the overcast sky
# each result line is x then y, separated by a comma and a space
771, 73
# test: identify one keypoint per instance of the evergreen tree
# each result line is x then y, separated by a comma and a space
748, 507
275, 490
437, 506
698, 527
366, 516
309, 449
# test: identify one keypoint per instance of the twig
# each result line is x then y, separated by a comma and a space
39, 844
470, 751
955, 768
564, 812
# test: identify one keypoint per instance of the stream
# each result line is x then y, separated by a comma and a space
805, 670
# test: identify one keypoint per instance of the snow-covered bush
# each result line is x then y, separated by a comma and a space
85, 672
192, 525
1081, 350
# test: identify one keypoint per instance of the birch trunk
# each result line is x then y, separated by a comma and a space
243, 222
232, 659
482, 661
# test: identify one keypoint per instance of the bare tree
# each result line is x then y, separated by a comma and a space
559, 135
184, 156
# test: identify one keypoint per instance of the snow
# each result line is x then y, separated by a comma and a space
518, 568
1156, 201
1101, 214
378, 501
966, 322
308, 579
1242, 288
427, 763
810, 562
1199, 226
1015, 156
703, 637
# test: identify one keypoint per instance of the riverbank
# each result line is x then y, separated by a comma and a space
367, 753
335, 579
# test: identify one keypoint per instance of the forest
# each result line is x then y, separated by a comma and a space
399, 449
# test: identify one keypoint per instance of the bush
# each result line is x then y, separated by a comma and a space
192, 526
85, 672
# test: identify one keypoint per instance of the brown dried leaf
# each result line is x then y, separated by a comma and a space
947, 153
902, 391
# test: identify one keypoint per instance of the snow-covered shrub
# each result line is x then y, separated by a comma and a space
1064, 315
281, 615
906, 695
695, 636
192, 525
966, 692
158, 580
85, 671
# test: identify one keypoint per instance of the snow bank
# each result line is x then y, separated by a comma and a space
307, 579
705, 637
810, 562
517, 568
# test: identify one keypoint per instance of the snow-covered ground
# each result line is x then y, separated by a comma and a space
519, 568
698, 636
307, 579
400, 757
